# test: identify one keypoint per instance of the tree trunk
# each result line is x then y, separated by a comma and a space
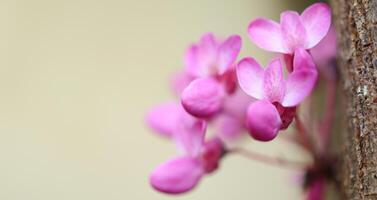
356, 23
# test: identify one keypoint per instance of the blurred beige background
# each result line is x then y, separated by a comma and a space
76, 78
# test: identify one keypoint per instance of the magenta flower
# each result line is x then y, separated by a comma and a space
211, 62
316, 190
212, 57
294, 31
277, 96
182, 173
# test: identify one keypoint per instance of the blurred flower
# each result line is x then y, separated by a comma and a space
211, 62
198, 158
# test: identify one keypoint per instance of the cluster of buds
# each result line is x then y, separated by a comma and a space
236, 97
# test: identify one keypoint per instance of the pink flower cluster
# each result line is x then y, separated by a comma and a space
217, 91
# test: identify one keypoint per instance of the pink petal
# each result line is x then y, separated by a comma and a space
263, 120
180, 81
317, 21
228, 53
303, 61
203, 97
208, 43
177, 175
236, 104
250, 77
294, 33
201, 58
189, 134
299, 85
325, 51
228, 128
267, 35
191, 61
163, 118
273, 83
301, 82
207, 55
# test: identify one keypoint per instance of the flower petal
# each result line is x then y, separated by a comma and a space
228, 128
325, 51
263, 120
267, 35
191, 62
301, 81
163, 118
208, 43
228, 53
189, 134
303, 60
250, 77
201, 58
207, 55
293, 31
203, 97
317, 21
177, 175
180, 81
236, 104
273, 82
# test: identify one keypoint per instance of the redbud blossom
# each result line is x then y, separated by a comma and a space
211, 62
269, 85
294, 31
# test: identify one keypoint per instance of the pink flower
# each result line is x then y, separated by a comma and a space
211, 62
211, 57
277, 96
182, 173
294, 31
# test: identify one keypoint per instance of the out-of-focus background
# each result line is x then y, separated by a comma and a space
76, 79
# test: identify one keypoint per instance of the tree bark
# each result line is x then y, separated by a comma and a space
356, 23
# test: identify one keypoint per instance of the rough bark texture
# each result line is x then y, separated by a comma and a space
356, 22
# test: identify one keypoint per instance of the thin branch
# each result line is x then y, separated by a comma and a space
273, 161
303, 136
